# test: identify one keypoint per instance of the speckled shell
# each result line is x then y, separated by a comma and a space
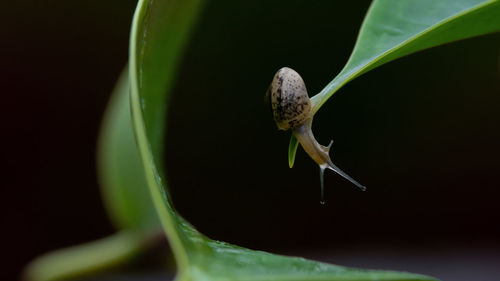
290, 103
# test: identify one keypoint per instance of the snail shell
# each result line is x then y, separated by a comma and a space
290, 103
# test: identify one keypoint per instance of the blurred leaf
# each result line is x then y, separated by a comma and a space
88, 258
393, 29
159, 31
121, 175
126, 196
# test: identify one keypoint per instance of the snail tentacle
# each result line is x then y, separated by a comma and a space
332, 167
320, 154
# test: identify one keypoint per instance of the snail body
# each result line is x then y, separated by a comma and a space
292, 109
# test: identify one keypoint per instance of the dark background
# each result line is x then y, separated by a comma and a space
421, 133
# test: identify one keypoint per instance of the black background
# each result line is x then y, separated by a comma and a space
421, 132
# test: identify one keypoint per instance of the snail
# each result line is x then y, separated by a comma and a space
292, 109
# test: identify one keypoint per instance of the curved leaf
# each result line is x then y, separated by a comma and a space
123, 186
159, 31
393, 29
86, 259
126, 196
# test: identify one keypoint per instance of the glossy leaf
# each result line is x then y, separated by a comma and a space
393, 29
159, 31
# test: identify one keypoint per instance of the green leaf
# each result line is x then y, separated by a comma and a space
123, 186
86, 259
126, 196
159, 31
393, 29
292, 147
